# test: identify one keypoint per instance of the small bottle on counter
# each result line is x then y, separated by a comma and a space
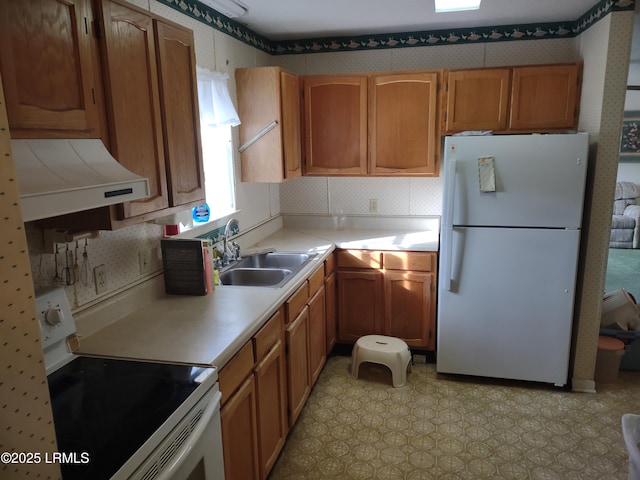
217, 264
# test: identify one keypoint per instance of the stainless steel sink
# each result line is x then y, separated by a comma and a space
272, 269
254, 277
274, 260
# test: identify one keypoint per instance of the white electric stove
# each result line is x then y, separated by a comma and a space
128, 419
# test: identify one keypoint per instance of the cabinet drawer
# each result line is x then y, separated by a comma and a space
296, 302
359, 259
419, 261
329, 265
233, 373
268, 336
316, 280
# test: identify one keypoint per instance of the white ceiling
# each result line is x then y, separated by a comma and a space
298, 19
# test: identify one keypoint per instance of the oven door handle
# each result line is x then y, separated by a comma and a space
180, 457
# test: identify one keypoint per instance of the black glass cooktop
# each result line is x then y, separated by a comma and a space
105, 409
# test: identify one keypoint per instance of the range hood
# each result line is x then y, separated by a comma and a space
60, 176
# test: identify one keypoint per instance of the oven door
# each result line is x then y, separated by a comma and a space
193, 450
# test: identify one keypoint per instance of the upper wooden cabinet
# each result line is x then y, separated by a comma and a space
109, 70
545, 97
527, 99
152, 106
49, 69
371, 124
335, 125
267, 95
180, 114
403, 124
133, 100
477, 100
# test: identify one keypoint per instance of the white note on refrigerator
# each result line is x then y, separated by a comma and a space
487, 174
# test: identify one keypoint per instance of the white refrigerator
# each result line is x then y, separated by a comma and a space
510, 237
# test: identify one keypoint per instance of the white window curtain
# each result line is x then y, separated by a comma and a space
216, 107
217, 116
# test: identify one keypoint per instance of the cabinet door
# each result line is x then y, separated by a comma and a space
180, 117
403, 124
545, 97
408, 300
48, 68
477, 100
331, 313
265, 95
291, 136
297, 334
317, 334
240, 434
359, 304
271, 386
335, 117
131, 77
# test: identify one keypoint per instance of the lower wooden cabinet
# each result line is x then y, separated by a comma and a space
254, 417
267, 383
271, 384
297, 334
359, 304
331, 310
239, 434
387, 293
306, 340
271, 391
238, 415
407, 307
317, 334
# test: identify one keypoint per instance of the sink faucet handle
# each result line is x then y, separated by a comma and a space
236, 250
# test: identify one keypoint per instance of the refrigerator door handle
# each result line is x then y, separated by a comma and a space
449, 188
447, 218
448, 257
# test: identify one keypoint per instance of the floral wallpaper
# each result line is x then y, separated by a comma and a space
220, 22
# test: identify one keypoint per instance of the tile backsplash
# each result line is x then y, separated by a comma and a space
395, 196
119, 251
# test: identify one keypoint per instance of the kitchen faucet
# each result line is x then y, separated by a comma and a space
235, 247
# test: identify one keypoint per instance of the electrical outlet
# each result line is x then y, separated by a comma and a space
100, 277
145, 257
373, 205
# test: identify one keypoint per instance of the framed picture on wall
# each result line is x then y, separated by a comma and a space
630, 140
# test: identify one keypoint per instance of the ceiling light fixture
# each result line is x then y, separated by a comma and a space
229, 8
456, 5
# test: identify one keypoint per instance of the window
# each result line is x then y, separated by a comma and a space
217, 116
218, 170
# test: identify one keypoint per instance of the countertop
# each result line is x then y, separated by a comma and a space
210, 329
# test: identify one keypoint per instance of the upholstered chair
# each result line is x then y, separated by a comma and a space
625, 224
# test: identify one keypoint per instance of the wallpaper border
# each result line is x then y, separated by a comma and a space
532, 31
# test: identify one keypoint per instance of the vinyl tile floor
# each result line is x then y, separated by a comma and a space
452, 427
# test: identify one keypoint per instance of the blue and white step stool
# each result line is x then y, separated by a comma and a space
388, 351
